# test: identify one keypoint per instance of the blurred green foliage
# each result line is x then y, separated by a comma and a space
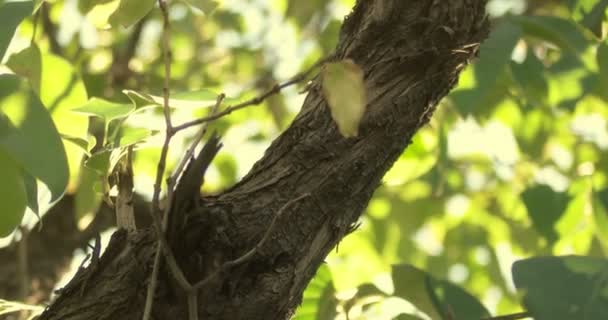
513, 165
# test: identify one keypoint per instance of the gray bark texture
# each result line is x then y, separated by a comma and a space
412, 53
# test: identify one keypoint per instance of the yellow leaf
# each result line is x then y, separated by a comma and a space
345, 93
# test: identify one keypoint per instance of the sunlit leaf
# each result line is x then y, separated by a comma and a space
545, 207
14, 199
30, 135
130, 12
11, 15
563, 288
437, 298
206, 6
129, 136
345, 92
600, 215
61, 89
105, 109
194, 99
318, 302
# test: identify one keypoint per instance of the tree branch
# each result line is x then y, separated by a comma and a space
410, 62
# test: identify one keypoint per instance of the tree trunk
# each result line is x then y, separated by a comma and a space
411, 53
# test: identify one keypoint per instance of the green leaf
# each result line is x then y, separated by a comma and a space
99, 162
439, 299
531, 78
206, 6
29, 135
79, 142
318, 302
14, 199
545, 207
87, 198
130, 12
11, 15
345, 93
600, 215
591, 13
489, 70
32, 192
103, 162
28, 64
129, 136
602, 62
561, 32
563, 288
104, 109
60, 90
194, 99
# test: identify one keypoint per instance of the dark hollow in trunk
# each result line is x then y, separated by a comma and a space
412, 53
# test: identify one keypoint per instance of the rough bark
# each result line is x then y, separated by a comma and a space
411, 53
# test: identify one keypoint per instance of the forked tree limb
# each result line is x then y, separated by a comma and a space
412, 53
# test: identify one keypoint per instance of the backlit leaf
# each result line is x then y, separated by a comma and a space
29, 135
130, 12
206, 6
344, 90
60, 90
105, 109
600, 215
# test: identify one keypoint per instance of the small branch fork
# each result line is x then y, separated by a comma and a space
170, 130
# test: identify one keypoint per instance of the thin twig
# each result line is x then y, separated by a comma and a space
169, 131
514, 316
167, 59
153, 283
251, 253
158, 225
256, 100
